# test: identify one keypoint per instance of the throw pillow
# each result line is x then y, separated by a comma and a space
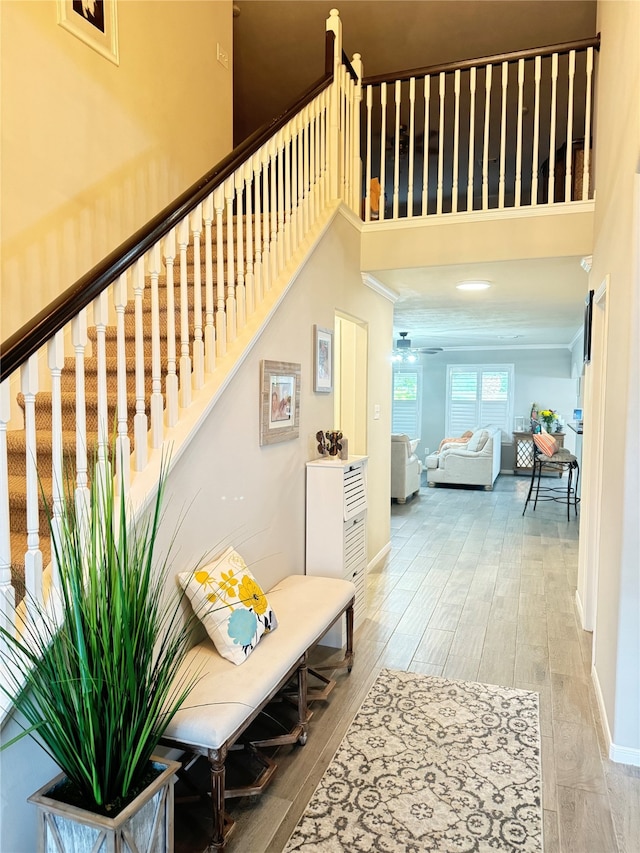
230, 604
545, 443
464, 438
478, 440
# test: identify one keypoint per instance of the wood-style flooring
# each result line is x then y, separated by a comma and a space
471, 590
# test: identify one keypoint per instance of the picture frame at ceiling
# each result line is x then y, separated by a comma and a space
322, 360
279, 401
95, 22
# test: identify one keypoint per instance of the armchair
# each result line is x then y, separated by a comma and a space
405, 467
476, 463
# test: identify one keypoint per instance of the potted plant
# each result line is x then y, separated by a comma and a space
94, 679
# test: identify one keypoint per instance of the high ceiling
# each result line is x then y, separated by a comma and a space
279, 51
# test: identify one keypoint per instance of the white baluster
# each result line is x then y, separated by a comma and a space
33, 557
195, 221
7, 591
241, 302
259, 288
425, 147
396, 150
472, 136
333, 171
123, 442
231, 307
266, 257
342, 74
552, 129
288, 226
441, 142
569, 160
82, 496
456, 141
273, 209
312, 168
157, 420
318, 164
209, 327
300, 178
324, 100
587, 127
171, 379
221, 317
535, 167
503, 132
485, 147
305, 172
100, 319
250, 285
55, 358
518, 188
383, 152
185, 348
281, 202
356, 206
140, 419
367, 189
412, 131
346, 141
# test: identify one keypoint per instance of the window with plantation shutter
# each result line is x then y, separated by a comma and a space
479, 395
407, 401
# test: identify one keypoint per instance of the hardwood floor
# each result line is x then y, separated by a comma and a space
471, 590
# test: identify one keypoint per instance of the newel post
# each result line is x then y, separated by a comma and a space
334, 25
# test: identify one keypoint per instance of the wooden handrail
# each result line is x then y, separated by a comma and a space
496, 59
28, 339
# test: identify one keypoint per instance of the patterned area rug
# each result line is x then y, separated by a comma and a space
431, 764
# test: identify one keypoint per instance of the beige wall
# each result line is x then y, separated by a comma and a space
616, 510
92, 150
252, 496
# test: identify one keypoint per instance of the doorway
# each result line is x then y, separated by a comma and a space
351, 341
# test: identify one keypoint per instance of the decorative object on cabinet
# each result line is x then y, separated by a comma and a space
96, 24
334, 442
336, 527
322, 360
280, 401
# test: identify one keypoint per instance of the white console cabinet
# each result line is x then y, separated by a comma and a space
337, 527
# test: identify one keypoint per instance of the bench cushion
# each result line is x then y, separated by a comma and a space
227, 695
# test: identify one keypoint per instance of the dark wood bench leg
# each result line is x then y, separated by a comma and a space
216, 763
303, 709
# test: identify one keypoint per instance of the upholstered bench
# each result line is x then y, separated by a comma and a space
227, 698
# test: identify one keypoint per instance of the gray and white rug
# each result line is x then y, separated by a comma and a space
431, 764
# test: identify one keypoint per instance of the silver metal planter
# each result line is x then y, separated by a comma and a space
144, 826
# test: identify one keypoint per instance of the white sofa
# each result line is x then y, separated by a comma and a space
475, 463
405, 467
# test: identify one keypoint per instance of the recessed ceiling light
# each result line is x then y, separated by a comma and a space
473, 285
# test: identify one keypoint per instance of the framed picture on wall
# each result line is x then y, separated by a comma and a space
94, 22
322, 360
279, 401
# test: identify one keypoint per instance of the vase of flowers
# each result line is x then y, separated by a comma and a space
548, 418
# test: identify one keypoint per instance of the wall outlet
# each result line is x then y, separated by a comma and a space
222, 56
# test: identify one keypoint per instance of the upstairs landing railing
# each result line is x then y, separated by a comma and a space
134, 339
504, 131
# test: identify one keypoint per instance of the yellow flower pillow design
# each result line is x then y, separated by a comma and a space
230, 604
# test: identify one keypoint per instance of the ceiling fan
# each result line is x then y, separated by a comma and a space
404, 348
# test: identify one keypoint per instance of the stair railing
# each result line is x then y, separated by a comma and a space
503, 131
181, 290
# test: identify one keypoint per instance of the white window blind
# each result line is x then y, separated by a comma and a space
479, 395
406, 412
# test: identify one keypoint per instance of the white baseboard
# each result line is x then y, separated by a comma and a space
619, 754
379, 557
580, 610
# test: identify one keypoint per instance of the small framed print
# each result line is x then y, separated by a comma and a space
94, 22
280, 401
323, 360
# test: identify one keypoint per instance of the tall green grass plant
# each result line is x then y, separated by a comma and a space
97, 683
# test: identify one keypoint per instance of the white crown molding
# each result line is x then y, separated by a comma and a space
371, 281
487, 346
